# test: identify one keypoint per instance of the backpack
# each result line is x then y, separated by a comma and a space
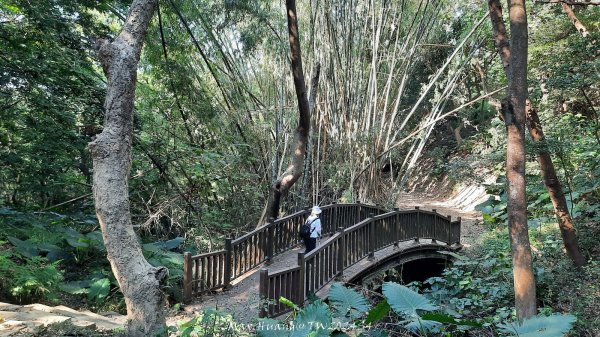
305, 229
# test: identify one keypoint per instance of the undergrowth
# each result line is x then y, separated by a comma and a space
52, 258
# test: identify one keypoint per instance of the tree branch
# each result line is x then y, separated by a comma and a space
571, 2
574, 20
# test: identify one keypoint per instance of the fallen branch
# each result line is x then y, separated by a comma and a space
66, 202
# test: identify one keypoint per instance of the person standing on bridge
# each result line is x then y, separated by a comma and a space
314, 222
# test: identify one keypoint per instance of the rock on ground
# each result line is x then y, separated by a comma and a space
18, 320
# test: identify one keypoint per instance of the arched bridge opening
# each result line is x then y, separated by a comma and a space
416, 264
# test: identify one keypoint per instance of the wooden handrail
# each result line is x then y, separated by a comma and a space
322, 246
259, 246
249, 234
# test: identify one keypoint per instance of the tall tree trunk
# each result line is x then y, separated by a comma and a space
139, 281
544, 159
578, 25
312, 104
294, 170
514, 119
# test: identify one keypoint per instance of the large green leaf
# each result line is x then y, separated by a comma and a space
405, 301
53, 252
96, 240
379, 312
99, 290
314, 320
163, 245
540, 326
418, 324
24, 248
163, 258
75, 287
443, 318
174, 243
347, 301
76, 243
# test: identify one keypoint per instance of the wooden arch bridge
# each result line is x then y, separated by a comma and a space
358, 235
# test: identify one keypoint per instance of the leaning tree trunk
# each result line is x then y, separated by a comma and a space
578, 25
111, 154
565, 222
537, 134
514, 119
294, 170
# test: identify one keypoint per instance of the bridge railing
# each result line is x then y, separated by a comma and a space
204, 272
211, 271
349, 246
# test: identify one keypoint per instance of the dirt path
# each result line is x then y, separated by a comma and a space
242, 300
471, 228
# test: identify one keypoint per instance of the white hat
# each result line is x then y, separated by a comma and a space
316, 210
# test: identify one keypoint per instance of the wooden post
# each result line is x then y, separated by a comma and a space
435, 220
358, 211
333, 214
417, 223
187, 277
459, 227
341, 252
371, 237
396, 227
301, 294
270, 241
228, 263
263, 290
449, 228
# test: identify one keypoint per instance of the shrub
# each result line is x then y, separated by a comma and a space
26, 280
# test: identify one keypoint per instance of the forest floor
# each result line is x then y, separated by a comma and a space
23, 320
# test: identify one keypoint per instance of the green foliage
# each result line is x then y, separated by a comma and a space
314, 319
99, 290
347, 302
49, 92
409, 304
404, 301
288, 303
210, 322
70, 248
26, 280
540, 326
54, 236
407, 309
376, 314
477, 287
